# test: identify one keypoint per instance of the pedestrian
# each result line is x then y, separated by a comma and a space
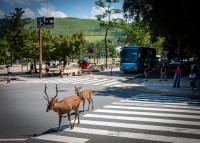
61, 70
163, 72
146, 71
47, 69
193, 78
177, 76
31, 68
196, 69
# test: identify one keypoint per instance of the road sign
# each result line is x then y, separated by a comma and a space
103, 54
40, 22
45, 22
49, 22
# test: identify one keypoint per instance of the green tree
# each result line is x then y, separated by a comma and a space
106, 4
173, 20
14, 28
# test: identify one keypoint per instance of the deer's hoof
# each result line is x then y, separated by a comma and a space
72, 126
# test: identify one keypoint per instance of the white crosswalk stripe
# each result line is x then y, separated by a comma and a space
144, 117
70, 80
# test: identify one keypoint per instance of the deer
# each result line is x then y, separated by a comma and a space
85, 94
65, 106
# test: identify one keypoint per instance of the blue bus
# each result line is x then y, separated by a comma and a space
133, 57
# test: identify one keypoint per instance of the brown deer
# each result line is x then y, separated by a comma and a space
64, 106
85, 94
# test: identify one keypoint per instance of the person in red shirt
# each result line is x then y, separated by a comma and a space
177, 76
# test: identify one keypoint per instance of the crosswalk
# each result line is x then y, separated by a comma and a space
141, 118
91, 81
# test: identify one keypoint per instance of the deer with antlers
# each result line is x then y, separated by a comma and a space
85, 94
65, 106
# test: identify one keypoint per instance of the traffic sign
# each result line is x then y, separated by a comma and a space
103, 54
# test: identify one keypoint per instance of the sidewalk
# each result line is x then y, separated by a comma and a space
167, 86
130, 81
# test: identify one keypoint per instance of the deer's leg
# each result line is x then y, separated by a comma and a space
92, 103
83, 104
78, 117
88, 104
60, 119
72, 126
76, 114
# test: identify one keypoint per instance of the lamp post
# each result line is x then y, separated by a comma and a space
8, 67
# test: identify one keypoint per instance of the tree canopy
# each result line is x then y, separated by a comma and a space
174, 20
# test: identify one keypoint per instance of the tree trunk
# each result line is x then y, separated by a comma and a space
106, 47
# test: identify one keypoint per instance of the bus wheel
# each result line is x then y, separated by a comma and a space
125, 72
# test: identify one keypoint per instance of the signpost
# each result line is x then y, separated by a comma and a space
43, 22
149, 52
8, 67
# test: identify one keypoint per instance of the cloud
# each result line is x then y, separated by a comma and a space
2, 14
28, 13
95, 11
20, 2
48, 10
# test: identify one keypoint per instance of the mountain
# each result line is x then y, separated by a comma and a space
68, 26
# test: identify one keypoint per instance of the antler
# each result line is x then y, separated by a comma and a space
47, 98
56, 92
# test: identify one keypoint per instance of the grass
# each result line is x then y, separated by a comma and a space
68, 26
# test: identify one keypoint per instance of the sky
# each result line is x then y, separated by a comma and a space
85, 9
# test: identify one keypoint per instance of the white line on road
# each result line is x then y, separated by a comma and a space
142, 127
148, 114
133, 135
58, 138
154, 120
11, 140
152, 109
161, 105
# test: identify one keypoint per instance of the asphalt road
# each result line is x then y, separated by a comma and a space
119, 115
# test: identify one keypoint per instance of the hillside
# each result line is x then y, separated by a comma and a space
67, 26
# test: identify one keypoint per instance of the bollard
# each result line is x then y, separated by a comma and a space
73, 73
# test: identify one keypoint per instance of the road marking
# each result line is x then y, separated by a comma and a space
148, 114
111, 83
143, 127
149, 104
166, 103
141, 119
104, 82
141, 136
58, 138
152, 109
11, 140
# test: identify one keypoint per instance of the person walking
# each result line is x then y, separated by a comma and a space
146, 71
31, 68
177, 76
47, 66
163, 72
193, 78
61, 70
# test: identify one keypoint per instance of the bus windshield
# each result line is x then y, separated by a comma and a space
129, 55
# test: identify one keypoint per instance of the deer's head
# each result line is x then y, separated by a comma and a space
51, 101
77, 89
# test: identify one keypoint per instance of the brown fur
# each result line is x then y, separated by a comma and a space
85, 94
64, 106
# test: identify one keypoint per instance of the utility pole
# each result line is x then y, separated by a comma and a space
43, 22
40, 53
